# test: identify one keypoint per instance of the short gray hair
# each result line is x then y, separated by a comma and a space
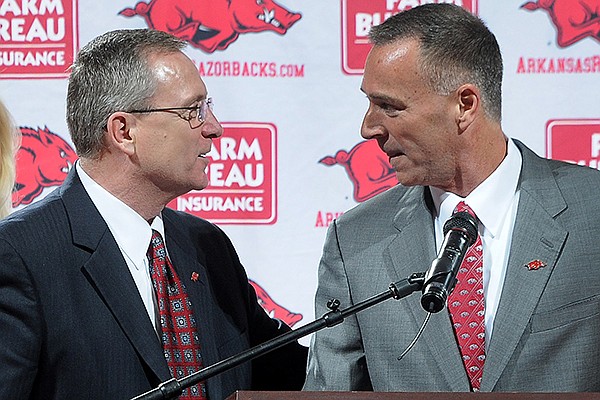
111, 74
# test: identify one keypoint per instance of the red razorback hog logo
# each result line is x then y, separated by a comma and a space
273, 309
367, 167
574, 19
43, 160
211, 25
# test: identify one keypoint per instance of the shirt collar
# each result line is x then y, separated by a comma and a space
492, 198
130, 230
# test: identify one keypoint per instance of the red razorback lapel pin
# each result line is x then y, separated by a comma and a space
535, 264
195, 276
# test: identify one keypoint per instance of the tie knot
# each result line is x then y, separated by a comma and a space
156, 249
462, 206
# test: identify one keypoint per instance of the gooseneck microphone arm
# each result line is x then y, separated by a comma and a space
460, 233
173, 387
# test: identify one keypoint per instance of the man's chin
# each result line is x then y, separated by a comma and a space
408, 180
195, 186
201, 184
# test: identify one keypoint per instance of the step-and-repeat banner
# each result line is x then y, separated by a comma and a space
285, 76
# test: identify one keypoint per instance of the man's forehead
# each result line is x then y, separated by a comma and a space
396, 52
398, 49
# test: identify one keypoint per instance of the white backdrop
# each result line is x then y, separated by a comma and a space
291, 106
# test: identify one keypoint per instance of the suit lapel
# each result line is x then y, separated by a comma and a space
114, 284
536, 236
108, 274
416, 241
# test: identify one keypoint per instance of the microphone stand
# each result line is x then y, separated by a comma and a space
173, 387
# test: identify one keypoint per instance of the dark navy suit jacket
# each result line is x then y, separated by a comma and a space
73, 326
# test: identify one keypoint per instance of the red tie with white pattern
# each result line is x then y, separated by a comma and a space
467, 309
178, 325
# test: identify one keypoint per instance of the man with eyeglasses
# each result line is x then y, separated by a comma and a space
104, 292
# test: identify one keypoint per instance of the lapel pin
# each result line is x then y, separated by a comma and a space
195, 276
535, 264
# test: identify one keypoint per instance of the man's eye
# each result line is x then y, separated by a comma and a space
388, 108
193, 113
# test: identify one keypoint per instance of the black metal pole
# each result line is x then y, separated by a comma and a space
174, 387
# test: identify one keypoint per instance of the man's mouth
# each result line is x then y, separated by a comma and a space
395, 154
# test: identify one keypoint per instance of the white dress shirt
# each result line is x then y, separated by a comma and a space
132, 234
494, 202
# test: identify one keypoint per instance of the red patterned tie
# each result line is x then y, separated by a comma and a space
179, 334
467, 309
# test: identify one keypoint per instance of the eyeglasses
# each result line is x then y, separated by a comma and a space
195, 116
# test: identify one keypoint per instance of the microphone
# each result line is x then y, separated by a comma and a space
460, 233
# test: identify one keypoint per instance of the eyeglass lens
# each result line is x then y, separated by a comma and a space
205, 105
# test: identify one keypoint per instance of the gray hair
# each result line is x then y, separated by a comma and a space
455, 48
111, 74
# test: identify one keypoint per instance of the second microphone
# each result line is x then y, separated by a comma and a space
460, 232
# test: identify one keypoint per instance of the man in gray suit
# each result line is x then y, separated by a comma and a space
433, 81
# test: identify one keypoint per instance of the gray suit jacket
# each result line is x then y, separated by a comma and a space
546, 333
73, 326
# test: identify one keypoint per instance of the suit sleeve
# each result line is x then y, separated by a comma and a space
20, 326
336, 358
281, 369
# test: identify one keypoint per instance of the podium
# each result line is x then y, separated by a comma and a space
250, 395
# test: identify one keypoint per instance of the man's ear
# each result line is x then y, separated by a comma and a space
469, 103
120, 127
